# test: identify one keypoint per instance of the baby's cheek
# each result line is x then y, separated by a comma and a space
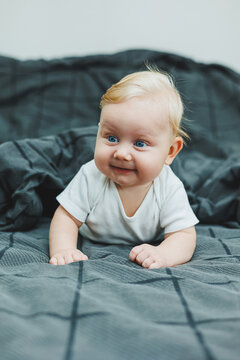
100, 159
149, 170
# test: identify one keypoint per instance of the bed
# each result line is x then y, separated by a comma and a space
108, 307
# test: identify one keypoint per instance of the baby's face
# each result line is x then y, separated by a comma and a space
134, 141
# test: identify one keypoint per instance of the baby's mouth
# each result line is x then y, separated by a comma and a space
122, 170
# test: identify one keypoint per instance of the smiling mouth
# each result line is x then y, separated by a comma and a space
122, 170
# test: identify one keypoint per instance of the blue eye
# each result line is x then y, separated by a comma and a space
140, 143
112, 139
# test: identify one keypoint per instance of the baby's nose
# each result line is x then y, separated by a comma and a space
123, 153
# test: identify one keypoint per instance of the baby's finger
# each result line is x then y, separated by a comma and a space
53, 261
155, 265
68, 259
143, 255
79, 256
134, 252
83, 256
60, 260
147, 262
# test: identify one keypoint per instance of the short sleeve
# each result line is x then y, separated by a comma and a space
176, 213
74, 197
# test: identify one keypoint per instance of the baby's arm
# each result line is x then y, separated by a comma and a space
176, 248
63, 237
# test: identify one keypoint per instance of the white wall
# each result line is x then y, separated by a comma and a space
205, 30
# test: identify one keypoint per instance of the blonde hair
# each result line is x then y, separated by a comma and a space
151, 81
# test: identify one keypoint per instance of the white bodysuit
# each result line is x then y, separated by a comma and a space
93, 199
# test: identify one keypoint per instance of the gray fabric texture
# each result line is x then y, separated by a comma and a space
108, 307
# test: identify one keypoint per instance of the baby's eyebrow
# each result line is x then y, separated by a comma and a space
142, 134
108, 126
146, 134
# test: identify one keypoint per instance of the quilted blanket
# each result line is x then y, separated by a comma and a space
108, 307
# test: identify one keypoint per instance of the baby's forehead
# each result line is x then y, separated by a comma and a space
144, 108
143, 129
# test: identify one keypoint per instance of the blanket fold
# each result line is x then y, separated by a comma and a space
34, 171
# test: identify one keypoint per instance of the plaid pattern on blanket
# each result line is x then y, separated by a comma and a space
108, 307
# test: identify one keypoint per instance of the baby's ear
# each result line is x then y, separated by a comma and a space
175, 148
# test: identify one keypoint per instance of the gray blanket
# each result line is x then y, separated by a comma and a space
108, 308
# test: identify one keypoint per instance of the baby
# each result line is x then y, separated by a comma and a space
128, 194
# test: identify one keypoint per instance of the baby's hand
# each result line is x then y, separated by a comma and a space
67, 256
148, 256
